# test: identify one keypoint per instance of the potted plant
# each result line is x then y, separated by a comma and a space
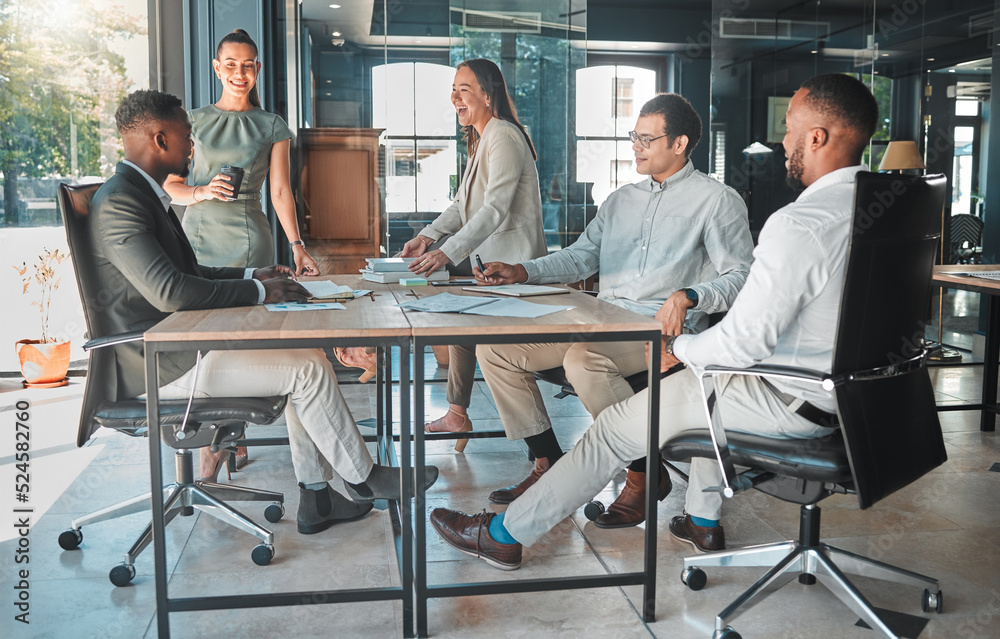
45, 361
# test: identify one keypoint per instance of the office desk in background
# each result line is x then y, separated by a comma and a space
591, 320
949, 276
366, 321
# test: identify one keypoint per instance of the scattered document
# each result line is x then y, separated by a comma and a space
515, 308
492, 307
306, 306
445, 303
986, 275
518, 290
325, 289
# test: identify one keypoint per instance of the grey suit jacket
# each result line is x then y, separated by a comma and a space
146, 269
498, 211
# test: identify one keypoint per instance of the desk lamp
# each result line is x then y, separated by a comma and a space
904, 156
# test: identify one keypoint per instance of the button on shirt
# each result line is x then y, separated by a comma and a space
649, 240
787, 312
165, 200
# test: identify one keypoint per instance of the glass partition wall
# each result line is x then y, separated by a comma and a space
928, 65
388, 67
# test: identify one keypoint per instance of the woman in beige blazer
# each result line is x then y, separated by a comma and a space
496, 215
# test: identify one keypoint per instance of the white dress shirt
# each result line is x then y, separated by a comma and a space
788, 309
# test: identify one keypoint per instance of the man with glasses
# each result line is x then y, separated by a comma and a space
676, 246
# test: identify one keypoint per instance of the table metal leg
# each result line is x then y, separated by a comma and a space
987, 421
652, 482
419, 514
156, 488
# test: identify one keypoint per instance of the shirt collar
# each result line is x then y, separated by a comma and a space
157, 189
655, 186
845, 174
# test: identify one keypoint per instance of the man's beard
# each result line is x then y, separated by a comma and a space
796, 167
187, 169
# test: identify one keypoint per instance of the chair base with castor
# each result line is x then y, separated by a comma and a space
810, 560
182, 498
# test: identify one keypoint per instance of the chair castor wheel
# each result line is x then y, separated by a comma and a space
122, 574
932, 600
262, 554
70, 539
694, 578
274, 513
593, 510
726, 633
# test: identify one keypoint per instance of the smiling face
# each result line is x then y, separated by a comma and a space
665, 156
237, 67
470, 101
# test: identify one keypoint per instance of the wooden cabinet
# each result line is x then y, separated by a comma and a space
339, 196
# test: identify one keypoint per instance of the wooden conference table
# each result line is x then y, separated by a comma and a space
951, 276
377, 321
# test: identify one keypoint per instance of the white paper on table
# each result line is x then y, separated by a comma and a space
325, 288
515, 307
986, 275
306, 306
445, 303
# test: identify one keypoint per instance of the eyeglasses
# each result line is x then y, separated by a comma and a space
642, 139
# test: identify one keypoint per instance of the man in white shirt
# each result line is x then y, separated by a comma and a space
145, 269
785, 314
676, 246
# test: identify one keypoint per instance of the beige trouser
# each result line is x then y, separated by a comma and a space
322, 434
619, 436
597, 371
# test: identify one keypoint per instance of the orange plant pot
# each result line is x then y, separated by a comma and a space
43, 364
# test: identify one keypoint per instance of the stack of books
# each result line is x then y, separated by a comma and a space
387, 270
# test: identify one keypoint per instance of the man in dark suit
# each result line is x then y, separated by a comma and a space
147, 269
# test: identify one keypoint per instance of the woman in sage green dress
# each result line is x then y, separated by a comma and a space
235, 131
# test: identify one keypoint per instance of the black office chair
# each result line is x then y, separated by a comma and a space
889, 431
966, 236
213, 422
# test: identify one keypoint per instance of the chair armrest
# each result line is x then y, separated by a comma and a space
783, 372
731, 482
113, 340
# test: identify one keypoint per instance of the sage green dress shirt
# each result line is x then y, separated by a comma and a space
232, 233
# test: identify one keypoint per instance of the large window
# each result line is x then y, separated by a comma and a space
608, 99
419, 140
64, 67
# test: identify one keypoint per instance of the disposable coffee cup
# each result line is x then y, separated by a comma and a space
235, 174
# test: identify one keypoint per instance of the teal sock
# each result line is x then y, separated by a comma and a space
704, 523
498, 532
320, 485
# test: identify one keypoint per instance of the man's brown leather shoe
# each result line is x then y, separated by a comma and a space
471, 534
510, 493
630, 507
704, 538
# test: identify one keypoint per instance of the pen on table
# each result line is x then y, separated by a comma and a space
482, 268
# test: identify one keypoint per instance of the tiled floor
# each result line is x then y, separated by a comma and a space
946, 525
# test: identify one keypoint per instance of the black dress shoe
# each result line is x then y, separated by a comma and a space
704, 538
320, 509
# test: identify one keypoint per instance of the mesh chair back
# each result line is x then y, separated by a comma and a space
890, 423
965, 229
